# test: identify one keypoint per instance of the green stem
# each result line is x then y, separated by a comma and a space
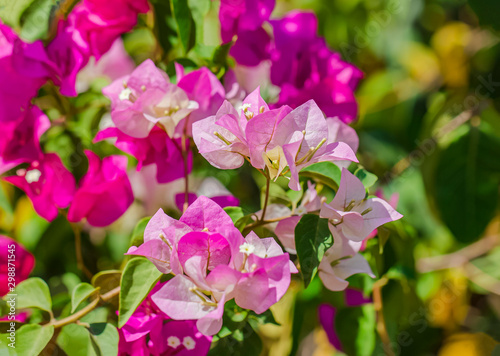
82, 312
266, 198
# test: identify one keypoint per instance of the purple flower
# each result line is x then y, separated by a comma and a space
17, 88
304, 68
237, 16
104, 193
157, 148
48, 184
20, 140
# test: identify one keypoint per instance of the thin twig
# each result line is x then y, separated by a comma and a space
82, 312
266, 198
460, 257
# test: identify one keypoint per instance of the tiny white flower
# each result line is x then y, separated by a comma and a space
125, 94
247, 248
245, 107
33, 175
189, 343
173, 341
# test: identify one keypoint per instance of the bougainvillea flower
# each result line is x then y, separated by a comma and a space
104, 193
275, 139
211, 188
48, 184
252, 47
70, 53
393, 201
146, 98
17, 89
354, 216
296, 140
221, 138
23, 262
209, 255
101, 23
341, 261
202, 87
304, 68
243, 15
157, 148
20, 140
149, 331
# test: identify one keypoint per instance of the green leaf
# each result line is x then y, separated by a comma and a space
10, 11
234, 212
327, 173
466, 183
312, 239
368, 179
260, 319
36, 19
80, 293
242, 222
107, 280
138, 233
241, 342
104, 338
221, 53
138, 278
74, 340
31, 339
185, 24
33, 293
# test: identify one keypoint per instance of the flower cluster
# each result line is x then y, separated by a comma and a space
91, 29
153, 117
301, 64
269, 138
212, 263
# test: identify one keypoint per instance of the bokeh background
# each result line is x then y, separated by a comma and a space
429, 128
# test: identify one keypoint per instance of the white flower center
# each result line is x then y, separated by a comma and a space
33, 175
173, 341
247, 248
125, 94
189, 343
245, 107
